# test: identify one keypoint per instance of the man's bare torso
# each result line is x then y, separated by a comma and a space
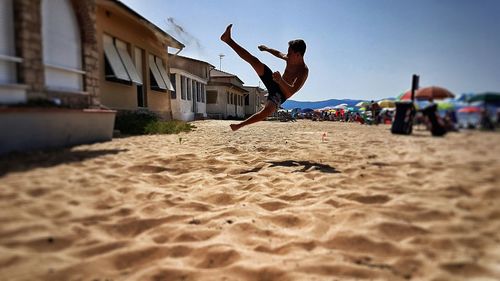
296, 74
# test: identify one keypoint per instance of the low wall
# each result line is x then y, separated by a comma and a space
24, 129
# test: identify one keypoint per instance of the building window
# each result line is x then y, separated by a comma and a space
189, 89
173, 94
9, 94
198, 91
228, 98
203, 93
183, 87
138, 60
124, 54
158, 75
8, 59
62, 50
247, 100
211, 97
195, 91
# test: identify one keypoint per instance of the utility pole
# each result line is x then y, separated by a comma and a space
220, 60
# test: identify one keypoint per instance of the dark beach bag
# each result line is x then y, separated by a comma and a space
403, 120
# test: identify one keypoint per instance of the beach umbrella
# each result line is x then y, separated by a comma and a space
341, 106
362, 104
486, 98
387, 104
325, 108
469, 109
446, 105
463, 98
306, 110
427, 93
436, 93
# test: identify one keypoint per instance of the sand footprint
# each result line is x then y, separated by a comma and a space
137, 258
466, 269
362, 244
287, 220
273, 205
147, 169
368, 199
399, 231
262, 273
216, 257
296, 197
220, 199
43, 244
169, 274
100, 249
196, 236
132, 228
287, 248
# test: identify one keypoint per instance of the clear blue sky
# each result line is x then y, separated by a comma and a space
360, 49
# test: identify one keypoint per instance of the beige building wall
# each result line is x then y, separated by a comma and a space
125, 27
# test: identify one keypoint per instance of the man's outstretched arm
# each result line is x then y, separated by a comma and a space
274, 52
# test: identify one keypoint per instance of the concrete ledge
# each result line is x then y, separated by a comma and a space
24, 129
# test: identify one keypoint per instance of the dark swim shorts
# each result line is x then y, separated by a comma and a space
275, 95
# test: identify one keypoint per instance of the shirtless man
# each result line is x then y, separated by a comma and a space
280, 88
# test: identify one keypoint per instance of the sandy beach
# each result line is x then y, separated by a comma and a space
273, 201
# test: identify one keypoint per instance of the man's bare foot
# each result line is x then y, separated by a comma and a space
234, 127
226, 36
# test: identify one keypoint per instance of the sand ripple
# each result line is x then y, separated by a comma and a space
270, 202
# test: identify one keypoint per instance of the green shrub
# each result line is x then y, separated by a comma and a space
134, 122
142, 122
167, 127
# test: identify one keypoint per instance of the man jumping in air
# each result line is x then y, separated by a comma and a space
280, 88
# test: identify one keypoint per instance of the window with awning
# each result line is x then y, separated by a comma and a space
159, 77
119, 64
114, 65
164, 74
122, 49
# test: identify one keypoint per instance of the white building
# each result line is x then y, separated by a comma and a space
189, 77
225, 96
255, 99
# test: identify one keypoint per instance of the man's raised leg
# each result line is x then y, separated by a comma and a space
259, 116
244, 54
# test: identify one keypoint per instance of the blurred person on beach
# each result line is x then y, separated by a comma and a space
375, 108
486, 122
280, 88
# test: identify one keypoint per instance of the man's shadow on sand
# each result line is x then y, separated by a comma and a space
305, 166
23, 161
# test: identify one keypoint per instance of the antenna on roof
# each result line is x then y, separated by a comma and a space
220, 60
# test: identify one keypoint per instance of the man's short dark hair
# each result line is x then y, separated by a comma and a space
298, 46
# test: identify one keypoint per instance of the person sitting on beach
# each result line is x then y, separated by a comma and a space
280, 88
